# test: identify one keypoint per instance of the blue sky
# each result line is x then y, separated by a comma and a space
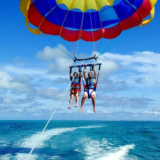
34, 73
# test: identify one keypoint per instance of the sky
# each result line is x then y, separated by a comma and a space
34, 73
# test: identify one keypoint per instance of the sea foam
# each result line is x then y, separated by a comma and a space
105, 151
40, 139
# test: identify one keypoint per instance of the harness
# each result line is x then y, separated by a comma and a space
90, 84
75, 86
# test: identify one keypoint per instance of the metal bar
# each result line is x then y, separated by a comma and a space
98, 64
85, 59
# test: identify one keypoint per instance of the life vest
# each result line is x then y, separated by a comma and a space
90, 84
75, 84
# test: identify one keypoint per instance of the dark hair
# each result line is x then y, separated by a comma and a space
89, 72
75, 74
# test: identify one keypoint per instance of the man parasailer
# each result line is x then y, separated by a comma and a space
75, 87
90, 87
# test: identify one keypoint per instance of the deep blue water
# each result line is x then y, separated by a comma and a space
80, 140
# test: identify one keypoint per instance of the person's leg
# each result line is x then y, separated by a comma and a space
94, 103
77, 99
70, 101
82, 102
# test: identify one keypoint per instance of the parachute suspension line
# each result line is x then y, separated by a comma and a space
56, 45
73, 43
68, 47
121, 27
92, 33
59, 24
98, 73
125, 35
80, 33
100, 28
110, 23
67, 25
65, 19
69, 51
74, 49
102, 39
102, 44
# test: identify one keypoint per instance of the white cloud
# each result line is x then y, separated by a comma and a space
145, 57
8, 100
138, 68
52, 93
124, 102
49, 54
108, 65
89, 111
23, 78
26, 71
150, 112
105, 111
60, 66
7, 82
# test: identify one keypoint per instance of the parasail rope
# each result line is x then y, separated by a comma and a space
48, 121
50, 117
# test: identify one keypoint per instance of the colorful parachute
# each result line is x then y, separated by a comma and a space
89, 20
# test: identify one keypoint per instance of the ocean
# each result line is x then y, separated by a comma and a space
80, 140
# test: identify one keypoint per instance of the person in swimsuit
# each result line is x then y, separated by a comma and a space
89, 90
75, 87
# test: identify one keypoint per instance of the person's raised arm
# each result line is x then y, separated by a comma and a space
95, 73
80, 71
70, 73
84, 72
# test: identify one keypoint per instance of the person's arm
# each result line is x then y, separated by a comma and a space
70, 73
80, 72
95, 74
84, 73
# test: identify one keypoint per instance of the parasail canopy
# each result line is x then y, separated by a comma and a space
89, 20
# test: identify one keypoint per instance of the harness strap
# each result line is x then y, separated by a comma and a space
95, 85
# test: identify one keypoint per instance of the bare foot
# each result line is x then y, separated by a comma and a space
80, 110
76, 105
95, 111
69, 107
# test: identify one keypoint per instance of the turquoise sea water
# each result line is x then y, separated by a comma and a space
80, 140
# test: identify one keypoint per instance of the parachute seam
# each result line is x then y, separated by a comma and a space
52, 8
92, 30
63, 24
100, 24
125, 14
118, 19
32, 2
80, 32
135, 9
